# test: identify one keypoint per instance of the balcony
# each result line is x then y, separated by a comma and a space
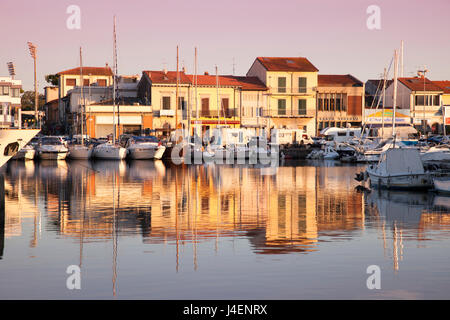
309, 113
229, 113
292, 90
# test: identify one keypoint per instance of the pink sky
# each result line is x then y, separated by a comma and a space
331, 34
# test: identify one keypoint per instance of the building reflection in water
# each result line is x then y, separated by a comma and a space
290, 211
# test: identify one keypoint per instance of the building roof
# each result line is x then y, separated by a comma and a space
169, 77
287, 64
444, 85
417, 84
245, 83
95, 71
337, 80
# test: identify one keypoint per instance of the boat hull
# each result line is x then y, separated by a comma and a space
414, 181
25, 154
142, 153
80, 152
12, 136
442, 185
110, 153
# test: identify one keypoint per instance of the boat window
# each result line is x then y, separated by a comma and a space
329, 138
342, 134
11, 149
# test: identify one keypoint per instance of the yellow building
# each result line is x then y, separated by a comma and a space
205, 101
291, 96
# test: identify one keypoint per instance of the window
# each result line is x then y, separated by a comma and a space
420, 100
181, 103
338, 104
436, 100
101, 82
325, 104
332, 104
4, 90
86, 82
282, 107
302, 85
302, 107
205, 107
71, 82
320, 104
166, 103
281, 84
15, 92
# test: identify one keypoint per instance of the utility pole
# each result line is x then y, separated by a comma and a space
33, 53
422, 73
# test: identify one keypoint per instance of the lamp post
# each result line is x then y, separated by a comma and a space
33, 53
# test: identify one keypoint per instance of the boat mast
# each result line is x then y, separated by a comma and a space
395, 93
218, 99
114, 82
176, 97
82, 96
196, 96
116, 88
384, 102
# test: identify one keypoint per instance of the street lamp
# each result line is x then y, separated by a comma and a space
33, 53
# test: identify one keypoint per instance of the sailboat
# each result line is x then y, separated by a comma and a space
112, 150
81, 151
399, 167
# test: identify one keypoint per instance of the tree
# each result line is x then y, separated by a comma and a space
53, 79
27, 101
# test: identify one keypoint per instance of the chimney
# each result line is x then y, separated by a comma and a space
165, 71
106, 64
206, 73
183, 69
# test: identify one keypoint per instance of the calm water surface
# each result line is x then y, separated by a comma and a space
150, 230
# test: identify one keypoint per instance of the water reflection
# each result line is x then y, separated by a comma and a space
294, 209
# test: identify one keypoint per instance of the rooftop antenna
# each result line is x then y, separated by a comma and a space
234, 65
401, 59
11, 69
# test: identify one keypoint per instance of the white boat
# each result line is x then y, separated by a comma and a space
145, 148
438, 153
51, 148
330, 153
399, 168
13, 140
109, 151
79, 151
26, 153
442, 184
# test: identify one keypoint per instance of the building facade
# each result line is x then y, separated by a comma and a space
422, 98
340, 101
10, 102
291, 94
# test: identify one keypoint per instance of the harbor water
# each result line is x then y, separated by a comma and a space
153, 230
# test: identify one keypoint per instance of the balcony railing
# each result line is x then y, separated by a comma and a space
229, 113
292, 90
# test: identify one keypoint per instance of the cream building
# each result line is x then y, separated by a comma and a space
291, 95
423, 98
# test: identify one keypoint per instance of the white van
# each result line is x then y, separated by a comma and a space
340, 135
289, 136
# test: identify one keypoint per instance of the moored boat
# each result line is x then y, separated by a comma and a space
400, 168
442, 184
109, 151
51, 148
